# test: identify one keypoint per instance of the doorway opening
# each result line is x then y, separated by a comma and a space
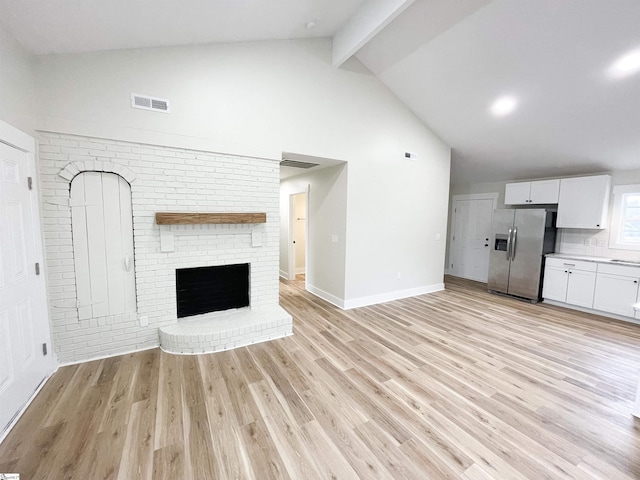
298, 214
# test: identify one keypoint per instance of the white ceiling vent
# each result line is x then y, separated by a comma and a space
150, 103
297, 164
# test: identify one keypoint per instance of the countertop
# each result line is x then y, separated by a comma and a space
585, 258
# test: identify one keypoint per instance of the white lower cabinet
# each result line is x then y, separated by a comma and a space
604, 287
554, 285
580, 288
616, 294
569, 281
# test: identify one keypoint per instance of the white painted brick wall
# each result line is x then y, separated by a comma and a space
165, 179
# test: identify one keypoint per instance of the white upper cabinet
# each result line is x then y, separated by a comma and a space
531, 193
584, 202
517, 193
545, 191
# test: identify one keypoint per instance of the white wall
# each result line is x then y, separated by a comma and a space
325, 274
469, 188
16, 85
401, 207
261, 99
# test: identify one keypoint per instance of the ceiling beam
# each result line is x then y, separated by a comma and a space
363, 26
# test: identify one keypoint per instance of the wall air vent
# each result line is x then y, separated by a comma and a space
150, 103
297, 164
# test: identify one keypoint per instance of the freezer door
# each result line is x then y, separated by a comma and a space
526, 253
499, 255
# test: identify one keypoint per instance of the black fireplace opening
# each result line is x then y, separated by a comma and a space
211, 289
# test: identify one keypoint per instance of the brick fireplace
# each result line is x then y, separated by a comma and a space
164, 179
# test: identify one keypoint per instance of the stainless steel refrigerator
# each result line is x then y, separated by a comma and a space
520, 239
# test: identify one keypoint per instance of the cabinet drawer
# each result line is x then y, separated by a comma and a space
623, 270
573, 264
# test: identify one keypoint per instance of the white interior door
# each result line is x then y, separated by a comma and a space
470, 238
24, 324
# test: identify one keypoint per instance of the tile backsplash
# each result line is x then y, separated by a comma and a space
592, 243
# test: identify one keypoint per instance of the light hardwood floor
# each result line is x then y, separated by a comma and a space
455, 384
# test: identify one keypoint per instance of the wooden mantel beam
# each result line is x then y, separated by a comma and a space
189, 218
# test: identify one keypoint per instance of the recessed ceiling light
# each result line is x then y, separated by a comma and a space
310, 25
504, 106
627, 64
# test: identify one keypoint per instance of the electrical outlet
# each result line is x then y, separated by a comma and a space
601, 242
587, 242
399, 275
144, 321
438, 237
334, 238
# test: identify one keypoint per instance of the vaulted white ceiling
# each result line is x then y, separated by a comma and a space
574, 115
448, 60
62, 26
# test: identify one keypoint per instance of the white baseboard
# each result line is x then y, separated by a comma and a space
300, 270
332, 299
636, 408
102, 357
284, 274
390, 296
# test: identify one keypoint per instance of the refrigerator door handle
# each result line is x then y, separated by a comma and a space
513, 243
509, 245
